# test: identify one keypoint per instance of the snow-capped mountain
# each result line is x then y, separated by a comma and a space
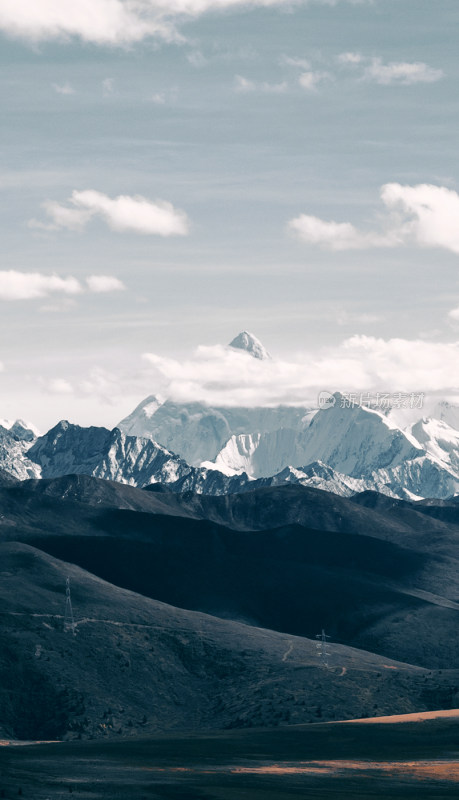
198, 432
261, 454
319, 476
439, 439
112, 455
14, 444
248, 342
448, 413
362, 447
341, 447
392, 451
354, 441
69, 449
24, 431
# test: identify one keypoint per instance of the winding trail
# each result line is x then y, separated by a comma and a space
288, 651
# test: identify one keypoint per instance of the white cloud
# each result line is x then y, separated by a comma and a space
197, 59
164, 96
424, 215
310, 80
74, 219
59, 305
453, 315
106, 22
29, 285
401, 73
430, 213
108, 87
246, 86
349, 318
221, 375
98, 383
350, 58
64, 88
104, 283
15, 285
422, 365
243, 84
101, 384
123, 213
114, 22
336, 235
159, 98
301, 63
59, 386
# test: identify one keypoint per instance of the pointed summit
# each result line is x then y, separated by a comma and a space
248, 342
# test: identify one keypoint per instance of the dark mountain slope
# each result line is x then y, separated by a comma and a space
366, 591
290, 579
385, 518
139, 665
410, 524
101, 493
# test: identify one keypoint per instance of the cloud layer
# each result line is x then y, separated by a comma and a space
223, 376
404, 73
15, 285
135, 213
113, 22
424, 215
362, 69
392, 73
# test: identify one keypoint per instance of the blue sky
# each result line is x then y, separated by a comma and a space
236, 122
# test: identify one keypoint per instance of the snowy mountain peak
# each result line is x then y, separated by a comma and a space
248, 342
447, 412
24, 431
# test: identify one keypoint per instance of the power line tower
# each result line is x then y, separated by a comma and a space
69, 621
323, 650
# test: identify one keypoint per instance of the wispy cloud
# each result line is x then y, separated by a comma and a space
350, 58
391, 73
134, 214
401, 73
363, 68
293, 61
197, 59
310, 80
59, 386
104, 283
336, 235
64, 88
164, 96
424, 215
246, 86
349, 318
15, 285
159, 98
108, 87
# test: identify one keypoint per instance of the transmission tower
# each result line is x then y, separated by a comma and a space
323, 650
69, 621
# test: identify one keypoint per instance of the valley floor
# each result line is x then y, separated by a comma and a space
419, 758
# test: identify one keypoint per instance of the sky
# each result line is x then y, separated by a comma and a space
175, 172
